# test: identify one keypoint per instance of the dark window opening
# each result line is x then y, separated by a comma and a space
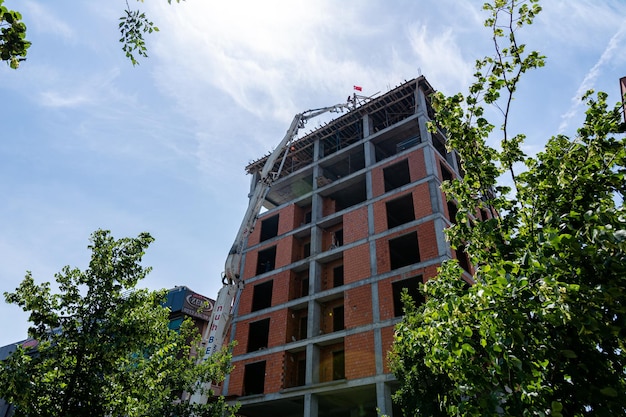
269, 228
254, 378
354, 194
301, 372
258, 335
412, 286
404, 250
339, 365
400, 211
305, 287
396, 175
338, 323
338, 276
337, 239
452, 211
307, 217
306, 250
262, 295
440, 145
462, 258
445, 172
266, 261
303, 328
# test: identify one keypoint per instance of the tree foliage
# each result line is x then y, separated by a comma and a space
13, 43
133, 25
105, 348
542, 331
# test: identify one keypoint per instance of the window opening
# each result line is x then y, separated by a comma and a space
301, 377
269, 228
400, 211
445, 172
396, 175
338, 323
303, 327
338, 276
404, 250
412, 286
339, 365
452, 211
258, 335
266, 261
262, 295
254, 378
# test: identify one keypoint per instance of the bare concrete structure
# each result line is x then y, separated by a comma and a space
356, 216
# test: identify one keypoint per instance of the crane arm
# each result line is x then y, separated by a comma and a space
216, 333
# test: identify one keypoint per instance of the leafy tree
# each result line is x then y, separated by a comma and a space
543, 329
13, 43
105, 348
133, 26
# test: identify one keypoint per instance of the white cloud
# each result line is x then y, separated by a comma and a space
616, 45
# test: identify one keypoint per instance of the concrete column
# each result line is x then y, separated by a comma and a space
383, 399
367, 125
311, 405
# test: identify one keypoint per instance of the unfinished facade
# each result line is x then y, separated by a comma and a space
356, 216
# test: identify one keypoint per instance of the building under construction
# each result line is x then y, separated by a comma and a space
356, 215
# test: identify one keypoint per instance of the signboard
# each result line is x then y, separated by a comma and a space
197, 305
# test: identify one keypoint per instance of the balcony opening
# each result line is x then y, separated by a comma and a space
396, 175
404, 250
338, 276
299, 285
262, 295
339, 365
269, 228
452, 211
254, 378
440, 145
463, 258
446, 175
400, 211
258, 335
338, 321
412, 287
295, 369
266, 261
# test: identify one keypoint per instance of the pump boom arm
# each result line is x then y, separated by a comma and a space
221, 315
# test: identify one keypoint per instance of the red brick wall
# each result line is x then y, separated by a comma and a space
421, 201
280, 291
385, 291
417, 170
417, 166
358, 306
326, 361
427, 241
355, 225
360, 357
274, 374
356, 264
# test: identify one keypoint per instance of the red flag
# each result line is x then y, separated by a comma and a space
358, 88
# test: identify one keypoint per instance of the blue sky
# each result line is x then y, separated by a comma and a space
88, 141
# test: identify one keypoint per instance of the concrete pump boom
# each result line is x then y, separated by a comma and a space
216, 333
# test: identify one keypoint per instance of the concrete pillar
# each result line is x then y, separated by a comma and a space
311, 405
383, 399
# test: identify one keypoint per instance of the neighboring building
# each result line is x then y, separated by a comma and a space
180, 300
356, 216
183, 303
